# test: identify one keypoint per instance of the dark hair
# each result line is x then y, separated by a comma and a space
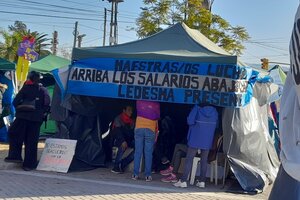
125, 106
34, 76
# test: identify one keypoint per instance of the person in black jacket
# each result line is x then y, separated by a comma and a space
31, 103
123, 136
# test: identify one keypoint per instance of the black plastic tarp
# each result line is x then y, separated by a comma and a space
77, 118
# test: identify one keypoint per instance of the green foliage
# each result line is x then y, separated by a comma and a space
197, 15
13, 37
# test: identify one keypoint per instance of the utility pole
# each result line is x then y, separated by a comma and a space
104, 29
80, 39
113, 21
116, 24
75, 33
54, 43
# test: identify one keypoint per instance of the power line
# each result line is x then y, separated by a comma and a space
56, 6
86, 4
40, 23
98, 29
134, 14
37, 22
131, 16
92, 40
45, 9
52, 16
265, 46
42, 15
266, 39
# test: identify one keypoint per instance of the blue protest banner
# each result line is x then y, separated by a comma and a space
164, 81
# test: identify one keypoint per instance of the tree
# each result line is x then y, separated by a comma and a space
7, 48
197, 15
13, 37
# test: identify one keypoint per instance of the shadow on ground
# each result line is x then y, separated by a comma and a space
106, 183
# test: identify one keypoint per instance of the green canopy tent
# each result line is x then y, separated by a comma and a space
49, 63
45, 65
6, 65
179, 42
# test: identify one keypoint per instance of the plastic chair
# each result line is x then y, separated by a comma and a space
214, 164
196, 161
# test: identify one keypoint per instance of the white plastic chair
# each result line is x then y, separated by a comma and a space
196, 161
214, 164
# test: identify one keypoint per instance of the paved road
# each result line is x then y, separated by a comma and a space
17, 184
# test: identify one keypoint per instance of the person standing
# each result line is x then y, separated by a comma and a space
123, 136
3, 88
287, 183
146, 130
31, 103
202, 122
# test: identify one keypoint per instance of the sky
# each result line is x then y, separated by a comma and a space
268, 22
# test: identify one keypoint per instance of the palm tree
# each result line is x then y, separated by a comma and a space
13, 37
8, 48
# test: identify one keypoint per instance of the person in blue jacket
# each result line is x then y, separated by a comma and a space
202, 122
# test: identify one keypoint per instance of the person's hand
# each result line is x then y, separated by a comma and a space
124, 146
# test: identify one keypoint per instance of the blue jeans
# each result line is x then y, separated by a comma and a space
144, 141
125, 161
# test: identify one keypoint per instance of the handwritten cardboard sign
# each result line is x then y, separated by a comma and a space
57, 155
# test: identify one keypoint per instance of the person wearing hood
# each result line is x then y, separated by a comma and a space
202, 122
31, 103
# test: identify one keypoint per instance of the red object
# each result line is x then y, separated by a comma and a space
28, 82
30, 38
126, 119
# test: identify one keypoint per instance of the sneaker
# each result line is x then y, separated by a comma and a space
116, 170
167, 171
148, 178
170, 179
134, 177
180, 184
200, 184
